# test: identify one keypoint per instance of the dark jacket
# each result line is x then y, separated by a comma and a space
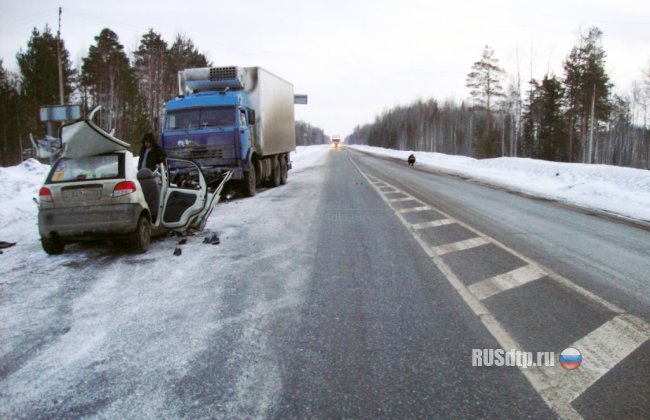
155, 156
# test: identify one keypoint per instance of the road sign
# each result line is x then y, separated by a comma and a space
60, 113
300, 99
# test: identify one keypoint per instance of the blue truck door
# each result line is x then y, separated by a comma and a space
244, 133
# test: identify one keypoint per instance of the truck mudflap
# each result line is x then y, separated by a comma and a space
215, 187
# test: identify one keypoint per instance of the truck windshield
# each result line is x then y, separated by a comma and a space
195, 119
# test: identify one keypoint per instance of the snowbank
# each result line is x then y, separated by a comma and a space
622, 191
18, 186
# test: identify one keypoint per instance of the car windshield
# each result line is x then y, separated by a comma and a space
200, 118
86, 168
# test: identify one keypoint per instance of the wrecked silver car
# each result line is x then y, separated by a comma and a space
94, 191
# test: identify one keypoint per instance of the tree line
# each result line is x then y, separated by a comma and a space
575, 117
131, 90
307, 134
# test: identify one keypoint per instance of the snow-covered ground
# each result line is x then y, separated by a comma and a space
99, 331
612, 189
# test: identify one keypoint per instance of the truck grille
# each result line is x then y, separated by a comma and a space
223, 73
203, 152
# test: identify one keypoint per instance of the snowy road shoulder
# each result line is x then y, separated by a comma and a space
621, 191
96, 331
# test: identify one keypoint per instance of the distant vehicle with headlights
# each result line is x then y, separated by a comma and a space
336, 141
94, 191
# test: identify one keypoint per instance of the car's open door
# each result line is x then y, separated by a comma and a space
214, 194
185, 194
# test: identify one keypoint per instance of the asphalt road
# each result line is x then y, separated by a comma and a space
381, 332
594, 272
359, 290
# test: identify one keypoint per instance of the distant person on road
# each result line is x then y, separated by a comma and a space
411, 160
151, 154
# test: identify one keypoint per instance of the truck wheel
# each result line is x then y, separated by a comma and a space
276, 173
141, 238
52, 246
249, 182
284, 170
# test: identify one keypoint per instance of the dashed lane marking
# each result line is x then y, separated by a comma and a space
433, 223
414, 209
604, 347
397, 200
459, 246
502, 282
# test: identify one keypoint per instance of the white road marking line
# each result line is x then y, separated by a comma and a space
397, 200
543, 380
412, 209
460, 245
601, 350
433, 223
502, 282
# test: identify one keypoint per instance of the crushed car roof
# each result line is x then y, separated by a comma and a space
84, 138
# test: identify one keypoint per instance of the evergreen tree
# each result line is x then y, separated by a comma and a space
108, 80
181, 55
150, 71
586, 84
40, 77
552, 125
307, 134
484, 82
10, 119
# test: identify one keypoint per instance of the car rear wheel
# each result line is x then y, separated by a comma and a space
141, 238
52, 246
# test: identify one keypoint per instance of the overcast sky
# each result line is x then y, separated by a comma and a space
356, 58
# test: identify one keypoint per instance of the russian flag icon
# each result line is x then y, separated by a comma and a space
570, 358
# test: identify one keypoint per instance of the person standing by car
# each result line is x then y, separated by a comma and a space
151, 154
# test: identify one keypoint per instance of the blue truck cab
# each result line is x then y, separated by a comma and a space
233, 119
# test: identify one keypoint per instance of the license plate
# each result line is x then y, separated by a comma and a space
82, 194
